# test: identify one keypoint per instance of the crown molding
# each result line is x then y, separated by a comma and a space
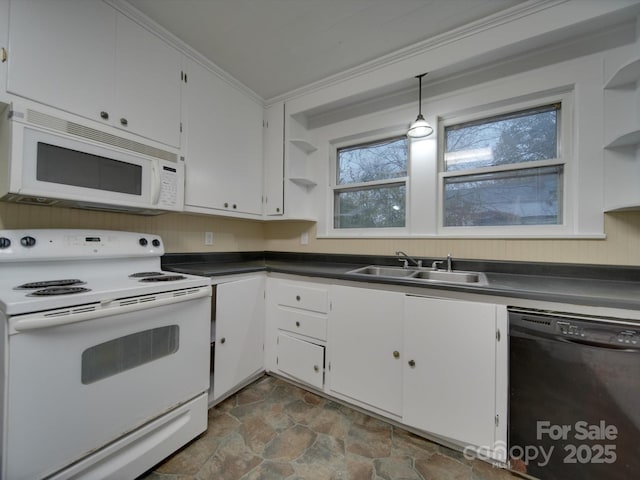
511, 14
130, 11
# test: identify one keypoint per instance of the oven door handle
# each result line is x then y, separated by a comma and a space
105, 309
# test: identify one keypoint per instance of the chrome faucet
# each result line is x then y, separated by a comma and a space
405, 259
449, 262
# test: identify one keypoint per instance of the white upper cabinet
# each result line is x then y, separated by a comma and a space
147, 83
274, 160
88, 59
4, 40
223, 145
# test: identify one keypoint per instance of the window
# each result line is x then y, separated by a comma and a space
371, 185
504, 170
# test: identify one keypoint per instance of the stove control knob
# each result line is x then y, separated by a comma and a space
27, 241
155, 242
143, 242
4, 242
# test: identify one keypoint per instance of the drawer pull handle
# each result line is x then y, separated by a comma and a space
297, 324
316, 368
298, 298
396, 354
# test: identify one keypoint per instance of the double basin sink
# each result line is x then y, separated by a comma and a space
424, 274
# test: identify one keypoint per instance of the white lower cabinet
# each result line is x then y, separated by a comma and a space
301, 360
365, 347
454, 379
297, 330
239, 333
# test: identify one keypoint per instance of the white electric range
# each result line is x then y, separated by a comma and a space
105, 366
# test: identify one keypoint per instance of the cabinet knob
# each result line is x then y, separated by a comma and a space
297, 324
316, 368
298, 298
412, 363
104, 115
3, 54
222, 340
235, 206
396, 354
226, 205
278, 209
124, 122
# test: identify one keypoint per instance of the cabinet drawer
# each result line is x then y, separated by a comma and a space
305, 323
307, 298
303, 361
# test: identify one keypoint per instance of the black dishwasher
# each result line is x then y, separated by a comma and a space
574, 396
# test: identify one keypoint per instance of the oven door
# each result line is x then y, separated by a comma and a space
77, 386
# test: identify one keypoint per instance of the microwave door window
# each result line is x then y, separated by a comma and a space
70, 167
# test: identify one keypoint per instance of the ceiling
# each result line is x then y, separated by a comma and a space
277, 46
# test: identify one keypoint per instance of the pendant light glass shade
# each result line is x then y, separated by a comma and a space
420, 128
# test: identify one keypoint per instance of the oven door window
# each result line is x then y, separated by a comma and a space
125, 353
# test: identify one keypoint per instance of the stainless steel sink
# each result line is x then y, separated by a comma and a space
424, 274
384, 271
450, 277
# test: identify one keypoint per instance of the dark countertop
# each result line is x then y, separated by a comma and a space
590, 285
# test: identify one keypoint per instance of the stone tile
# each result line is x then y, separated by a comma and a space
257, 433
290, 444
272, 412
449, 452
330, 422
286, 393
442, 468
270, 471
396, 468
301, 412
232, 460
260, 389
361, 418
407, 443
359, 468
325, 451
369, 441
221, 424
313, 399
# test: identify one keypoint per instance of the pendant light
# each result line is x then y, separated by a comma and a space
420, 128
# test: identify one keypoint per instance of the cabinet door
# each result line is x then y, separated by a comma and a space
301, 360
365, 346
450, 369
223, 134
239, 333
274, 159
147, 84
62, 53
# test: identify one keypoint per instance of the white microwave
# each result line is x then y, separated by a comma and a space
49, 160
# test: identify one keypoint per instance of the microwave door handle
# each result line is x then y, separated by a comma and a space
155, 183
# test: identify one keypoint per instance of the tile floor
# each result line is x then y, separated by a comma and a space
272, 430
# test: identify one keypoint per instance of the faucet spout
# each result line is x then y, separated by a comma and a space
406, 259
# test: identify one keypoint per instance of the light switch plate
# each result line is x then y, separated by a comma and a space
208, 238
304, 239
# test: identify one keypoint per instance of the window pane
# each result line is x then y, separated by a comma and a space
373, 161
371, 208
518, 197
523, 136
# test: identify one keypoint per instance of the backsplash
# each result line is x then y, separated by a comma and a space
185, 233
180, 232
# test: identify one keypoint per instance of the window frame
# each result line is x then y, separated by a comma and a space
334, 187
564, 159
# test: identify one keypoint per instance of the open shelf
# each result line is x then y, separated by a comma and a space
303, 145
626, 75
628, 139
303, 182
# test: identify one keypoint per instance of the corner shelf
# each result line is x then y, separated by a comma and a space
628, 139
628, 74
303, 145
303, 182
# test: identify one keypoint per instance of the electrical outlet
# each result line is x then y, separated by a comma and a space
208, 238
304, 239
